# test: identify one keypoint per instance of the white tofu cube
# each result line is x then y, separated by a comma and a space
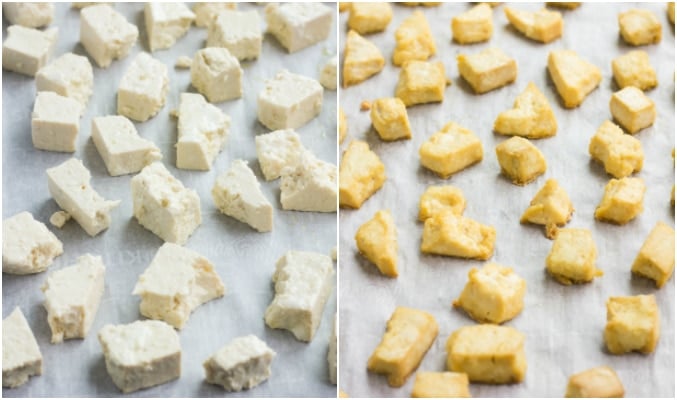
21, 357
311, 185
55, 122
69, 75
289, 101
241, 364
166, 23
328, 74
27, 50
206, 13
203, 131
143, 88
277, 150
216, 74
106, 34
239, 32
299, 25
28, 247
30, 15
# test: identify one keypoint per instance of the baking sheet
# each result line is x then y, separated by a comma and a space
244, 259
563, 325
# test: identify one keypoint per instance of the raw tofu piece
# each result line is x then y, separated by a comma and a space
366, 18
26, 50
72, 297
206, 13
632, 109
520, 160
572, 257
361, 174
487, 353
242, 364
21, 357
328, 74
176, 282
376, 240
542, 25
332, 352
487, 70
632, 324
342, 125
289, 101
55, 122
106, 34
634, 69
551, 207
143, 88
69, 186
298, 25
303, 283
28, 247
451, 149
389, 117
59, 219
361, 59
599, 382
623, 200
237, 193
574, 77
216, 74
474, 25
639, 27
239, 32
163, 205
421, 82
447, 234
656, 257
438, 199
203, 131
409, 334
531, 116
413, 40
166, 23
30, 15
69, 75
310, 185
277, 150
141, 354
620, 154
440, 385
493, 294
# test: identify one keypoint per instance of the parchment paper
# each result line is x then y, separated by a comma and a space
563, 325
244, 259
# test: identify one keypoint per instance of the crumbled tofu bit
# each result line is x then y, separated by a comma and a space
365, 105
183, 62
59, 219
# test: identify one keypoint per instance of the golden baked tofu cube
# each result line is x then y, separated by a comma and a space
671, 11
361, 59
450, 150
639, 27
413, 40
623, 200
572, 257
520, 160
632, 324
447, 234
543, 25
493, 294
377, 240
634, 69
343, 125
531, 116
389, 117
656, 258
550, 207
409, 335
421, 82
487, 70
361, 174
473, 26
487, 353
440, 199
632, 109
574, 77
440, 385
600, 382
368, 18
572, 5
620, 154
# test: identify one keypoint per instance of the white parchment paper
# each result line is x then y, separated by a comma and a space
563, 325
244, 259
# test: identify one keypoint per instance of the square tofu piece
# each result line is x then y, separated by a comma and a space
119, 144
106, 34
487, 70
361, 59
574, 77
632, 109
69, 75
451, 149
474, 25
177, 281
632, 324
531, 116
440, 385
634, 69
541, 26
206, 13
438, 199
447, 234
368, 18
242, 364
600, 382
166, 23
520, 160
639, 27
361, 174
30, 15
409, 334
620, 154
303, 282
237, 193
55, 122
623, 200
26, 50
216, 74
28, 247
298, 25
376, 240
413, 40
141, 354
332, 360
389, 117
656, 258
421, 82
310, 185
143, 88
72, 297
21, 357
69, 186
572, 257
487, 353
551, 207
239, 32
203, 131
493, 294
277, 150
289, 101
328, 73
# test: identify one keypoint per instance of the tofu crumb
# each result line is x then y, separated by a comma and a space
365, 105
174, 113
59, 219
183, 62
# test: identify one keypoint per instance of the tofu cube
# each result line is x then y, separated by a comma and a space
520, 160
242, 364
298, 25
620, 154
551, 207
203, 132
632, 109
634, 69
389, 117
289, 101
141, 354
361, 59
542, 25
69, 75
143, 88
572, 257
368, 18
237, 31
487, 70
632, 324
656, 257
72, 297
328, 74
623, 200
376, 240
206, 13
28, 247
361, 174
55, 122
531, 116
574, 77
438, 199
106, 34
216, 74
277, 150
413, 40
409, 334
310, 185
447, 234
595, 382
332, 356
474, 25
30, 15
639, 27
440, 385
166, 23
421, 82
21, 357
451, 149
26, 50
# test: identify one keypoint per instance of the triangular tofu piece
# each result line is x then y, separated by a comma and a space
448, 234
550, 207
414, 40
361, 59
203, 130
309, 186
574, 77
531, 116
543, 25
377, 240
